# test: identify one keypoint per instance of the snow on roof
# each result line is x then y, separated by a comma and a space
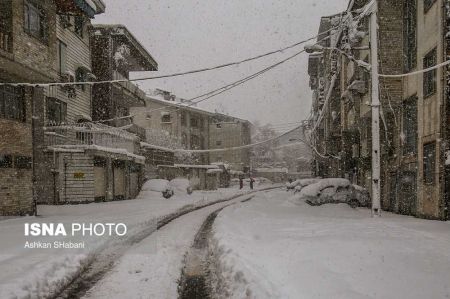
282, 170
197, 166
120, 151
209, 171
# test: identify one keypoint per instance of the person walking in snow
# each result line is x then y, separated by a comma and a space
251, 182
241, 182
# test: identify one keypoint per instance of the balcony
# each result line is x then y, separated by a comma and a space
91, 136
128, 86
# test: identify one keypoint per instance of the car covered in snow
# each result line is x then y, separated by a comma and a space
298, 185
181, 186
335, 190
158, 186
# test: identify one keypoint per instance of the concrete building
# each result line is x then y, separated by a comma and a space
414, 120
184, 127
26, 55
227, 132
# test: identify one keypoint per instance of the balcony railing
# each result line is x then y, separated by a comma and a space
90, 134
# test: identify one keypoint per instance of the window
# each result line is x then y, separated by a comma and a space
5, 161
165, 118
81, 76
22, 162
410, 34
429, 78
183, 118
56, 111
6, 26
195, 142
79, 25
35, 21
218, 142
194, 122
61, 56
12, 103
410, 125
429, 162
427, 4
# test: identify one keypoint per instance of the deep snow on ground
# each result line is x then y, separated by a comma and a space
38, 273
152, 268
271, 247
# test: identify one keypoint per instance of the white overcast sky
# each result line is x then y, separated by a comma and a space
188, 34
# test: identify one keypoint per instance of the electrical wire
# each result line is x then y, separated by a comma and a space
170, 75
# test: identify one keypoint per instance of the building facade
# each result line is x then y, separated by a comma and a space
229, 132
414, 108
80, 160
27, 36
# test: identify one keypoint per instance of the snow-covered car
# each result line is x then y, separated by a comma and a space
181, 185
335, 190
160, 186
298, 185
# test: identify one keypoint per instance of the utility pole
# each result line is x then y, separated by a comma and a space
376, 155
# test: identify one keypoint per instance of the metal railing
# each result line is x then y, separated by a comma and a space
90, 134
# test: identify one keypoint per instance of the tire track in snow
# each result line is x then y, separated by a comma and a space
98, 264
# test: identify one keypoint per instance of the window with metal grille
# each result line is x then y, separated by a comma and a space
427, 4
429, 78
56, 111
410, 125
410, 34
79, 25
12, 103
429, 162
22, 162
35, 21
5, 161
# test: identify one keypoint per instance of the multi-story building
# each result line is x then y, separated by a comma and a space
27, 36
80, 160
414, 118
228, 132
185, 127
191, 128
116, 53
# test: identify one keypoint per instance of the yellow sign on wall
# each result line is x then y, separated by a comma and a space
78, 175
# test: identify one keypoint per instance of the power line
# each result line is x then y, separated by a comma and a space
215, 92
169, 75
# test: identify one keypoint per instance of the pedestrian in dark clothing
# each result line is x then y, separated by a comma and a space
251, 183
241, 183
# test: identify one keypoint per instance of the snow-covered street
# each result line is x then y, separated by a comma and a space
44, 273
277, 247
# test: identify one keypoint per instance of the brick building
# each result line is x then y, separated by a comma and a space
27, 36
414, 128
